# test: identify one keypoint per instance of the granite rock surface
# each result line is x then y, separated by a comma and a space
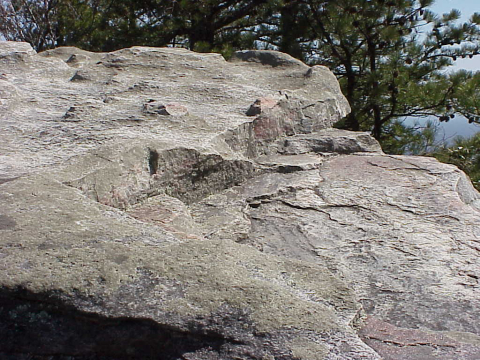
157, 203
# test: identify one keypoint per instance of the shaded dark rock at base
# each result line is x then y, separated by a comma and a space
30, 329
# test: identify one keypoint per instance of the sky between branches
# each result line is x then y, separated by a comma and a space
467, 8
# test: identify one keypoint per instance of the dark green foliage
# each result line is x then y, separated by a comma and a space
105, 25
465, 154
466, 99
31, 21
389, 64
416, 139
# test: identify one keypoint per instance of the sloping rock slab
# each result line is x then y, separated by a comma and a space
403, 232
163, 204
72, 269
100, 255
401, 343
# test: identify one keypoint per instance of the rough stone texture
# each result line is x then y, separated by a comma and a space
164, 204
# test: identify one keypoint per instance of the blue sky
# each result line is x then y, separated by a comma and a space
467, 8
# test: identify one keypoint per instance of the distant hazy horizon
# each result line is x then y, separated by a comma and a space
447, 131
454, 128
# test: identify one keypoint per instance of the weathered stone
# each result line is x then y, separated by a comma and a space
260, 105
156, 108
15, 51
329, 141
401, 343
222, 232
267, 57
77, 60
81, 76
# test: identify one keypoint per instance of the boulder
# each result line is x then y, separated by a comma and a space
155, 108
267, 57
158, 203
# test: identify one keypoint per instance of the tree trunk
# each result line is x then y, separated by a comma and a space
351, 122
378, 124
288, 41
203, 32
377, 115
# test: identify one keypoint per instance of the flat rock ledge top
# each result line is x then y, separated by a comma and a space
157, 203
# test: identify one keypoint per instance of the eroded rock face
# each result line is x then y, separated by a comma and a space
164, 204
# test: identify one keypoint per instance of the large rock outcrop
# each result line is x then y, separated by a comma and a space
162, 204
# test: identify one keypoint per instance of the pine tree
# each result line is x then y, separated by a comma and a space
32, 21
105, 25
466, 99
389, 56
464, 153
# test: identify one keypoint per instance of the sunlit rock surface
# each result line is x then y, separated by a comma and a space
162, 204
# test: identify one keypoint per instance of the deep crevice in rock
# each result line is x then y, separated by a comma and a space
190, 176
152, 161
183, 173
